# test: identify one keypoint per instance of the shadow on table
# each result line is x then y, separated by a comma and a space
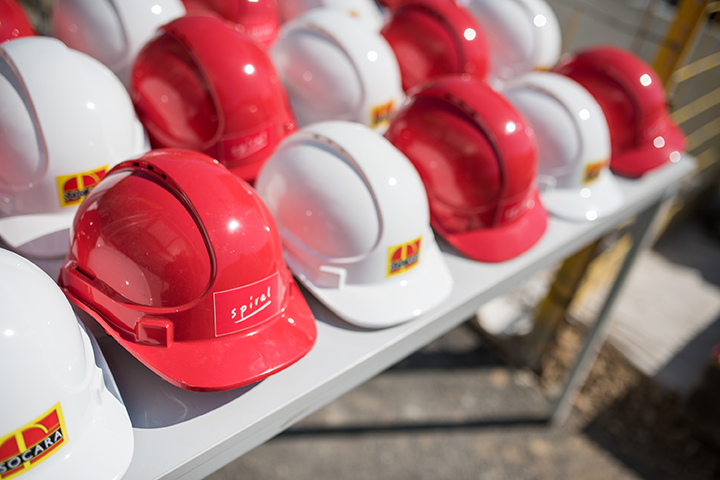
152, 402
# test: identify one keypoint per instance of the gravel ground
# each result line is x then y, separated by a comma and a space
636, 420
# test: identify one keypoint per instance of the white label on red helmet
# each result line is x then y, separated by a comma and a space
655, 128
592, 171
402, 258
239, 147
382, 114
263, 32
515, 207
32, 443
243, 307
73, 188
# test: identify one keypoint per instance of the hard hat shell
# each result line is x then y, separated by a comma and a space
573, 145
364, 11
204, 86
376, 267
642, 134
476, 156
112, 31
65, 120
335, 69
523, 35
180, 261
260, 19
13, 21
59, 420
431, 38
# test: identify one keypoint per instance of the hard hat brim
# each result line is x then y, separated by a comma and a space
20, 230
585, 203
398, 299
501, 243
229, 361
635, 163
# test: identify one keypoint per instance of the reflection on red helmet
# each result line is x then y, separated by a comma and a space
431, 38
204, 86
642, 134
477, 159
13, 21
260, 19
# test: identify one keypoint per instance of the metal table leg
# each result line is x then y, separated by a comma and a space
642, 235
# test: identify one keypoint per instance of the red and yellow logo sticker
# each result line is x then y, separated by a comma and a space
32, 443
381, 114
402, 258
73, 189
592, 170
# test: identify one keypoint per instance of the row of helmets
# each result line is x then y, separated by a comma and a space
186, 95
474, 153
181, 261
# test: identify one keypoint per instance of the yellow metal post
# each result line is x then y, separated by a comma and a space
690, 14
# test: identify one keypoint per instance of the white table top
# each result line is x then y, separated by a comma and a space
188, 435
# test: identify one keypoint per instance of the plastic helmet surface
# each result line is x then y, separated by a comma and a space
364, 11
335, 69
65, 121
180, 261
477, 158
523, 35
112, 31
14, 22
375, 268
642, 134
432, 38
573, 144
260, 19
59, 419
202, 85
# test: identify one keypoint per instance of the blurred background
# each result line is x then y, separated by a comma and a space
471, 404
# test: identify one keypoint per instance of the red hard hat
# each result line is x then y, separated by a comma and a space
642, 134
476, 156
431, 38
202, 85
258, 18
181, 262
390, 4
13, 21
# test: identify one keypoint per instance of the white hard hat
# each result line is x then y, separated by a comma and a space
335, 69
523, 35
112, 31
59, 420
65, 120
365, 11
356, 231
573, 145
